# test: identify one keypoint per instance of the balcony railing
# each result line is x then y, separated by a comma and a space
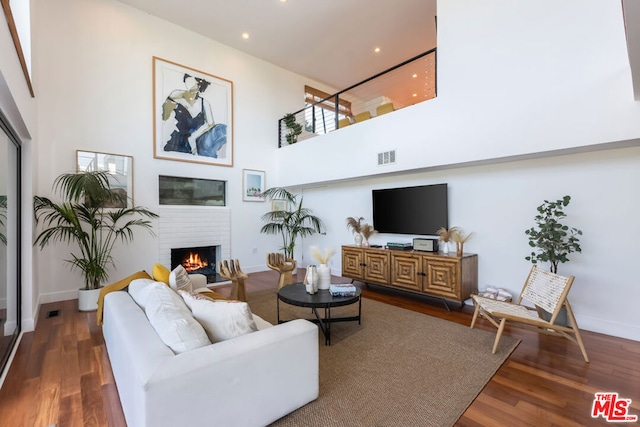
406, 84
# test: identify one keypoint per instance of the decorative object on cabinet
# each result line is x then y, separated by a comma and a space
81, 219
367, 231
442, 276
355, 225
192, 115
553, 240
290, 224
460, 239
253, 185
445, 235
547, 291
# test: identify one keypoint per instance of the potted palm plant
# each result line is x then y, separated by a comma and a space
81, 219
292, 222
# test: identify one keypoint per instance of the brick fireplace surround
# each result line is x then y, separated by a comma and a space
193, 226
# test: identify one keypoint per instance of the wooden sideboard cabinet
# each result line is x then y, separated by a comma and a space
445, 276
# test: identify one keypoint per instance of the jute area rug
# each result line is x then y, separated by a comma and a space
399, 368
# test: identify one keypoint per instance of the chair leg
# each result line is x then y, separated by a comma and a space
498, 335
576, 331
475, 315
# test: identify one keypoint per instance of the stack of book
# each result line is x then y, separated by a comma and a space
342, 290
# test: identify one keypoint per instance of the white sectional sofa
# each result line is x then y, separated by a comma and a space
249, 380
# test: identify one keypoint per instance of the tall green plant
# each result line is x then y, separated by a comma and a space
553, 240
291, 224
295, 128
81, 219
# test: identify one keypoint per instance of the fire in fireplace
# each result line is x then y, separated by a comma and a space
200, 260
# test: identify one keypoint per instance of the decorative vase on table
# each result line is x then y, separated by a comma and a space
311, 279
324, 276
444, 247
357, 237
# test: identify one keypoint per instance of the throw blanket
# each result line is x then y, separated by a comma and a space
117, 286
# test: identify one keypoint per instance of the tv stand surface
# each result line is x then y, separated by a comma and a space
443, 276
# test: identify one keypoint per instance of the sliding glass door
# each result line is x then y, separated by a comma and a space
9, 241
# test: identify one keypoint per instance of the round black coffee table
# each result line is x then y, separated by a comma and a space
297, 295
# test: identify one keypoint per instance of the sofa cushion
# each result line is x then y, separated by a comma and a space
222, 320
139, 290
179, 279
160, 273
172, 320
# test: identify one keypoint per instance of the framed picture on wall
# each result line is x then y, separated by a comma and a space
253, 185
120, 170
279, 205
192, 115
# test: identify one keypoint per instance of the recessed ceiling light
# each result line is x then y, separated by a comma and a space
415, 94
283, 1
376, 50
245, 36
414, 76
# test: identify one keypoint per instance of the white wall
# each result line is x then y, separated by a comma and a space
498, 203
94, 75
514, 78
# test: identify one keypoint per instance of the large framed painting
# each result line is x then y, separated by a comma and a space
253, 185
120, 170
192, 115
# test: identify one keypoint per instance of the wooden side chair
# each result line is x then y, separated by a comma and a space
231, 270
282, 265
546, 291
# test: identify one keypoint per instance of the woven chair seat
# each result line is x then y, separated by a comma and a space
495, 307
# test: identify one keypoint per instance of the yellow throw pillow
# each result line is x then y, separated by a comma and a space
160, 273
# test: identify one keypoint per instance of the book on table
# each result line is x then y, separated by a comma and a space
342, 289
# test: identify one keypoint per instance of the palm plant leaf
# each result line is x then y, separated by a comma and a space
81, 219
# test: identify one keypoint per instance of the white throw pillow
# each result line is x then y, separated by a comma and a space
173, 321
179, 279
139, 290
221, 319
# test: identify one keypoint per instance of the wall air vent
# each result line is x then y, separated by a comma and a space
387, 157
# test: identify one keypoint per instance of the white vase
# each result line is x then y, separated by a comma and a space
357, 237
444, 247
88, 299
324, 276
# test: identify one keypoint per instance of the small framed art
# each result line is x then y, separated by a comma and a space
253, 185
120, 170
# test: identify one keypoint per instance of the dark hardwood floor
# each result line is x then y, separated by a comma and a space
61, 373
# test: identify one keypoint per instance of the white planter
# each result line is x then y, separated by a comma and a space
324, 276
88, 299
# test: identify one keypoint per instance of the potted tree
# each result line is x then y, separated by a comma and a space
80, 218
292, 222
552, 239
294, 128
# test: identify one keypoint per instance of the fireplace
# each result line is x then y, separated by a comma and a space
197, 260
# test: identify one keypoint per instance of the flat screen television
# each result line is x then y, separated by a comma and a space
411, 210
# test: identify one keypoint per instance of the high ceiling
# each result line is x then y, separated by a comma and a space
330, 41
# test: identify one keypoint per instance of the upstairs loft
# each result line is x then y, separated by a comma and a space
408, 83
